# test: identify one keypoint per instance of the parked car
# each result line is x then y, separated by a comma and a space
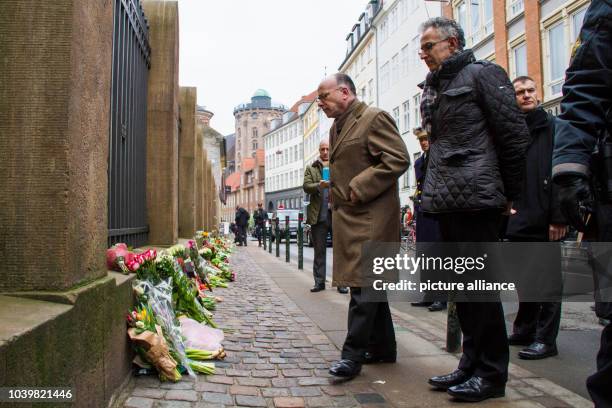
308, 238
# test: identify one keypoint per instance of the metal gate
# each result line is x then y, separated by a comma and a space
127, 201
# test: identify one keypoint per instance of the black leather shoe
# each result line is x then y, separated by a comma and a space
538, 351
445, 381
372, 358
421, 304
317, 289
342, 289
519, 340
345, 368
477, 389
437, 306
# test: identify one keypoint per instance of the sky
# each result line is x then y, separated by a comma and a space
230, 48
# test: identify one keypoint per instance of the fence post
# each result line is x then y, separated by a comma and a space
300, 241
287, 238
277, 237
263, 232
270, 235
453, 329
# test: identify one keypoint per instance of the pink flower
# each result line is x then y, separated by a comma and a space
191, 244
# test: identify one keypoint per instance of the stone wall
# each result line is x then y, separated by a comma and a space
162, 122
187, 162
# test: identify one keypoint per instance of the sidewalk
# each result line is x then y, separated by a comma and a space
282, 339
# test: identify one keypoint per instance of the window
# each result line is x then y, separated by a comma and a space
370, 90
369, 51
406, 180
576, 19
384, 30
416, 106
557, 58
393, 20
254, 144
406, 54
476, 18
363, 93
254, 132
515, 7
414, 53
519, 60
415, 156
395, 69
406, 108
384, 77
396, 116
403, 5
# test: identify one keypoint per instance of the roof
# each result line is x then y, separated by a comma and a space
248, 163
233, 181
261, 92
306, 98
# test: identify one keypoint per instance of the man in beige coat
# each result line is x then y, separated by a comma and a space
366, 158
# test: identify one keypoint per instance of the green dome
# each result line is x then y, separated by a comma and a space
261, 92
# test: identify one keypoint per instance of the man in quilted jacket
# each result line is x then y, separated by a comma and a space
478, 139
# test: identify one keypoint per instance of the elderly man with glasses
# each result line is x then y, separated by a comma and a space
478, 138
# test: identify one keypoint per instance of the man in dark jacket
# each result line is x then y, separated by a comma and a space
478, 138
318, 215
242, 221
259, 217
584, 126
536, 217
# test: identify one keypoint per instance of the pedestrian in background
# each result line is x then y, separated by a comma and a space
366, 158
318, 214
585, 127
259, 217
477, 142
536, 217
427, 228
242, 222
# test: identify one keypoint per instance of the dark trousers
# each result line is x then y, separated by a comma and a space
539, 321
242, 233
485, 341
259, 232
599, 383
319, 238
370, 328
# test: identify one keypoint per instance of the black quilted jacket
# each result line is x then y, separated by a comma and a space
478, 138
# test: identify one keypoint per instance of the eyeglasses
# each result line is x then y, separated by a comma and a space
429, 45
324, 95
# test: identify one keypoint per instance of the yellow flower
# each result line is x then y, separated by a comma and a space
205, 234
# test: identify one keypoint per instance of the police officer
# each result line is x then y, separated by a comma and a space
585, 126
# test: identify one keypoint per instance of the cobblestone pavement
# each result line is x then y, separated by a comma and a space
276, 356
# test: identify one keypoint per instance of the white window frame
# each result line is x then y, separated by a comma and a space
406, 117
484, 29
514, 8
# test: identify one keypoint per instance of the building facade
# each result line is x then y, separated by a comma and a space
316, 128
525, 37
212, 142
400, 70
245, 185
284, 146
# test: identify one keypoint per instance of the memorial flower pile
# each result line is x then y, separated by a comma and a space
171, 327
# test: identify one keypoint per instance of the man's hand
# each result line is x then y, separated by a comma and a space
556, 231
575, 199
509, 210
323, 184
354, 198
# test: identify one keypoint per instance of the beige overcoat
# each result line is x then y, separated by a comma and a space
367, 157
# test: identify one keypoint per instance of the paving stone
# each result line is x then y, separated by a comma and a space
284, 382
217, 398
221, 379
148, 392
210, 387
243, 390
237, 373
173, 404
181, 385
345, 401
369, 398
147, 382
319, 402
138, 402
296, 372
254, 382
182, 395
313, 381
264, 373
275, 392
305, 391
288, 402
250, 401
334, 390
